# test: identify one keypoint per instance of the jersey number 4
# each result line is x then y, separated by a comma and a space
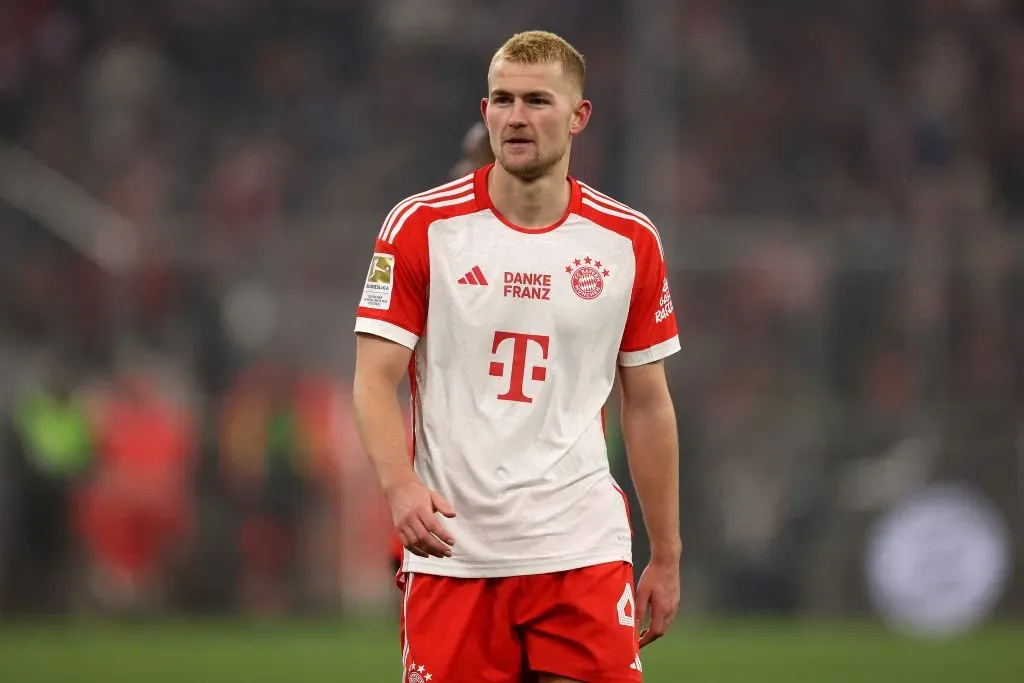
627, 608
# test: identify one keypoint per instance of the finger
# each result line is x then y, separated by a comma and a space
648, 636
410, 543
438, 529
427, 541
441, 504
659, 624
643, 599
418, 539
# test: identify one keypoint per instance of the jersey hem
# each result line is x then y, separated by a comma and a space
651, 354
389, 331
493, 570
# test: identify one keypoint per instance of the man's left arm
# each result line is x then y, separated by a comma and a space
648, 420
652, 448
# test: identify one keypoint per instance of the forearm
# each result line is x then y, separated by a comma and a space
652, 449
382, 431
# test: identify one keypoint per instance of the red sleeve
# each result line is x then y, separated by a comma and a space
651, 332
394, 300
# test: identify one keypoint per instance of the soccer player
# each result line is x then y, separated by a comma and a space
515, 295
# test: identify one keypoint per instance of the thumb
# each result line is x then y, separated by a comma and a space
441, 505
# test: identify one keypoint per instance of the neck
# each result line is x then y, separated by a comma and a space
534, 204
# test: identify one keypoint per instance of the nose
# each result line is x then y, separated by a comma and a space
517, 119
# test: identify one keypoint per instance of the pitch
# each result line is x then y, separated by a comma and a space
723, 652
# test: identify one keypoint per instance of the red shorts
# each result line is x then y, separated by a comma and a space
578, 624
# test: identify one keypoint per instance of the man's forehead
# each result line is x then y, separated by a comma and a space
514, 76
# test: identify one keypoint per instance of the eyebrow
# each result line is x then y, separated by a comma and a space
533, 93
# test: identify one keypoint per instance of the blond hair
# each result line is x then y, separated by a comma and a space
543, 47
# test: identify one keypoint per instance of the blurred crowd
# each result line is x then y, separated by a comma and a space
840, 187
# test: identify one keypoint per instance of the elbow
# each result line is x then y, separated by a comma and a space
367, 390
372, 388
650, 417
648, 404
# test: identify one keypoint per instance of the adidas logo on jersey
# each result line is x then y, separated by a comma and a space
473, 277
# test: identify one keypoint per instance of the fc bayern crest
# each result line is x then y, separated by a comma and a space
587, 277
419, 674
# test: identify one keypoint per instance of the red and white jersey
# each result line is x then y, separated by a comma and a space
517, 335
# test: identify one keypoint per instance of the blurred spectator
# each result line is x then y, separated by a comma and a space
136, 510
276, 458
50, 447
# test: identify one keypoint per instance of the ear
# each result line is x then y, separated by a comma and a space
483, 109
580, 117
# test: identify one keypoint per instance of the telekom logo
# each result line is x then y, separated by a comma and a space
520, 344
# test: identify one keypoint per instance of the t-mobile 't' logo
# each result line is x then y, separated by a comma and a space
520, 343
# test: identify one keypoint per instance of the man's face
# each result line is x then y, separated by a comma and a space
532, 111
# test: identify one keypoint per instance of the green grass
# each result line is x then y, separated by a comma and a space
744, 652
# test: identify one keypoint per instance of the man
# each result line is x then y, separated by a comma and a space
517, 293
476, 152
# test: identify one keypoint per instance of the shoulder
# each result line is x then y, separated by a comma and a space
416, 212
618, 217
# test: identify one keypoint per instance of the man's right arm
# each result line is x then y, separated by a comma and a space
380, 366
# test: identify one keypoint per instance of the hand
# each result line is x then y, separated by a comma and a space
412, 510
658, 593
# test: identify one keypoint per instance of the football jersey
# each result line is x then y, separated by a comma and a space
516, 337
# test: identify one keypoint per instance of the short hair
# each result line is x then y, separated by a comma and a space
542, 47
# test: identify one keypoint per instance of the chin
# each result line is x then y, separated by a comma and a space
525, 170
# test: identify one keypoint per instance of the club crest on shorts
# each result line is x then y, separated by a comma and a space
419, 674
587, 276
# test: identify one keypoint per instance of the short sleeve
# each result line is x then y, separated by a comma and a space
394, 300
651, 331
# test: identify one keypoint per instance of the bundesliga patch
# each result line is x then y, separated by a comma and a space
380, 282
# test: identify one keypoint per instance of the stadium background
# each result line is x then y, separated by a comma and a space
189, 192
